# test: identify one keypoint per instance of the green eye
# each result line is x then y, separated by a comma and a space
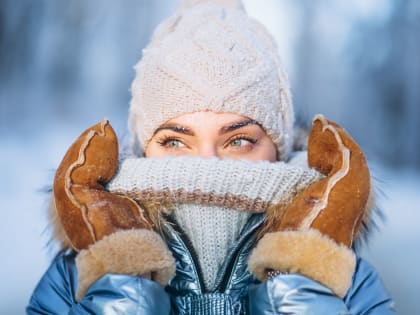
173, 143
241, 142
238, 142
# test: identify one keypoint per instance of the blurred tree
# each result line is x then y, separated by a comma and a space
385, 56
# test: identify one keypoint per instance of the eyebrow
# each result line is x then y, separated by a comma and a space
238, 125
175, 128
187, 131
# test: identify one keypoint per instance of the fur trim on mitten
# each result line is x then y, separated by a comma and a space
130, 252
307, 252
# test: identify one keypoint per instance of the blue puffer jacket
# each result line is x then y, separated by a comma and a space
236, 291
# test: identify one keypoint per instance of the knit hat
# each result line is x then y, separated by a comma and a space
210, 55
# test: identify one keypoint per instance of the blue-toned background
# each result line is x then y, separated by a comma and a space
65, 65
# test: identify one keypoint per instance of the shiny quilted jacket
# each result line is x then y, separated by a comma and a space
235, 292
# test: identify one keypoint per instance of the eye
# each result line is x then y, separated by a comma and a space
238, 142
242, 142
171, 143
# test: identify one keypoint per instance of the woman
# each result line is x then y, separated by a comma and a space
179, 235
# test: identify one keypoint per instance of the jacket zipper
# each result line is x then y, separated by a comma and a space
186, 242
227, 274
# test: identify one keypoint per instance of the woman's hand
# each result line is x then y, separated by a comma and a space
111, 231
314, 234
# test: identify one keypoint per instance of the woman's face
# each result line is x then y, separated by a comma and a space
208, 134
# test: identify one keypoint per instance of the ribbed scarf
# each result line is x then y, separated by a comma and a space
211, 198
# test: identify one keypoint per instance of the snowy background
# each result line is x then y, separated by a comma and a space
65, 65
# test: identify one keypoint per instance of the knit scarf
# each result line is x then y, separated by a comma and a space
211, 199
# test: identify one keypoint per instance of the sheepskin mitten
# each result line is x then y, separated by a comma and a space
314, 235
111, 232
210, 55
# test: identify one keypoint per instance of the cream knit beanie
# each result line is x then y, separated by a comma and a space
210, 55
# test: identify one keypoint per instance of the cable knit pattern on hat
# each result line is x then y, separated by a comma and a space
210, 55
212, 198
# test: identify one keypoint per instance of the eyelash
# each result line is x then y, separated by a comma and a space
242, 137
166, 139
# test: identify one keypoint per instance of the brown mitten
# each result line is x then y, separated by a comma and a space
315, 233
111, 231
